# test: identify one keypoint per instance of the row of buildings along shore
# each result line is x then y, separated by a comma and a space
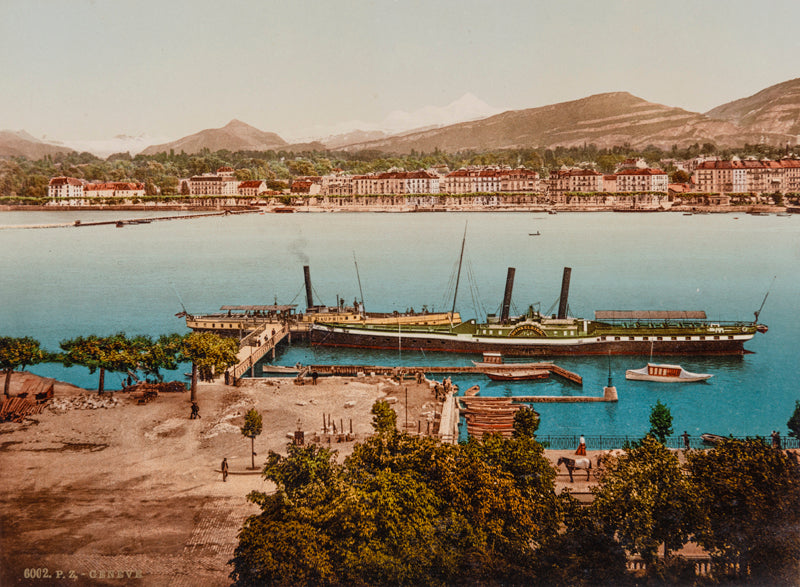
748, 176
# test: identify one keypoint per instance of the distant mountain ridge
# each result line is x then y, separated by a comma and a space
771, 116
21, 144
773, 111
606, 120
234, 136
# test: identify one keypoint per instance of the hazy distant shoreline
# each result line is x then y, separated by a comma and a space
744, 209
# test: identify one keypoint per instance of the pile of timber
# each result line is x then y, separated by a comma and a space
489, 414
16, 409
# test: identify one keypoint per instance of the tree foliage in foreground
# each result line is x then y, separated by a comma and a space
114, 353
749, 495
18, 353
402, 510
210, 355
660, 422
645, 497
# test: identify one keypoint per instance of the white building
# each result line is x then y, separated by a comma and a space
65, 188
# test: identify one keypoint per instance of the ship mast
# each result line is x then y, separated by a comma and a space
758, 312
359, 285
458, 275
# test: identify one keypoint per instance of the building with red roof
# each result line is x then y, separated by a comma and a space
65, 188
114, 189
253, 188
642, 180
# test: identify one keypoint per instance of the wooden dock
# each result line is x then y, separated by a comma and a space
353, 370
257, 344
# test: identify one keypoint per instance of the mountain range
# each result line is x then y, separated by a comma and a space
771, 116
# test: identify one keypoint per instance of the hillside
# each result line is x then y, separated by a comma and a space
606, 120
234, 136
775, 110
21, 144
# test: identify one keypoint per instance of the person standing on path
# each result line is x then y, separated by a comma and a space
581, 447
685, 436
225, 469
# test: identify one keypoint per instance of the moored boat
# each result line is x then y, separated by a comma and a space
535, 334
665, 374
516, 374
711, 438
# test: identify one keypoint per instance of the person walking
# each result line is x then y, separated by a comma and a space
581, 447
225, 469
195, 411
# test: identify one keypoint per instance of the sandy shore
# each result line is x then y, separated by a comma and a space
137, 489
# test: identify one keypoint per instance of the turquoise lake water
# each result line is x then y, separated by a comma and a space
64, 282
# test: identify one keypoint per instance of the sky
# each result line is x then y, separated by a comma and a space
93, 69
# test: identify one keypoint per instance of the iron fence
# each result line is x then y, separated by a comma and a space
602, 442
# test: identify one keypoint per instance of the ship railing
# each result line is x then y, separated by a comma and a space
612, 442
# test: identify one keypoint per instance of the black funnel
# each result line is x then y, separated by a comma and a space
309, 297
507, 296
562, 304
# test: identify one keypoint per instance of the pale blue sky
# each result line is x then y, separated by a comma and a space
91, 69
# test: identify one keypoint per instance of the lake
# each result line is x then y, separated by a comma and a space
64, 282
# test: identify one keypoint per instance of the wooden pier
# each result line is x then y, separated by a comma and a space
353, 370
258, 343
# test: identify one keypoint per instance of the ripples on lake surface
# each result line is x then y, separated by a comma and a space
65, 282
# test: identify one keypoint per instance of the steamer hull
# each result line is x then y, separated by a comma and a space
729, 344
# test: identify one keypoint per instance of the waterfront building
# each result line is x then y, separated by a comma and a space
252, 188
221, 183
642, 180
421, 182
791, 175
307, 184
739, 176
576, 180
490, 179
519, 180
114, 189
67, 188
337, 184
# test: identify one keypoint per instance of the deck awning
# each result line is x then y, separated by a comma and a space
649, 315
258, 308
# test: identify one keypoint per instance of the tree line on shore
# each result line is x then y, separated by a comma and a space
209, 354
410, 510
26, 181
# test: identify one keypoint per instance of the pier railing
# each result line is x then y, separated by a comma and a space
603, 442
255, 345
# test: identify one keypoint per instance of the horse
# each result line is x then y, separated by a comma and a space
572, 464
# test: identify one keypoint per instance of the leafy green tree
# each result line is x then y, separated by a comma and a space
748, 493
526, 423
647, 500
584, 555
115, 353
210, 355
401, 510
384, 418
18, 353
152, 356
794, 422
680, 176
660, 422
251, 429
